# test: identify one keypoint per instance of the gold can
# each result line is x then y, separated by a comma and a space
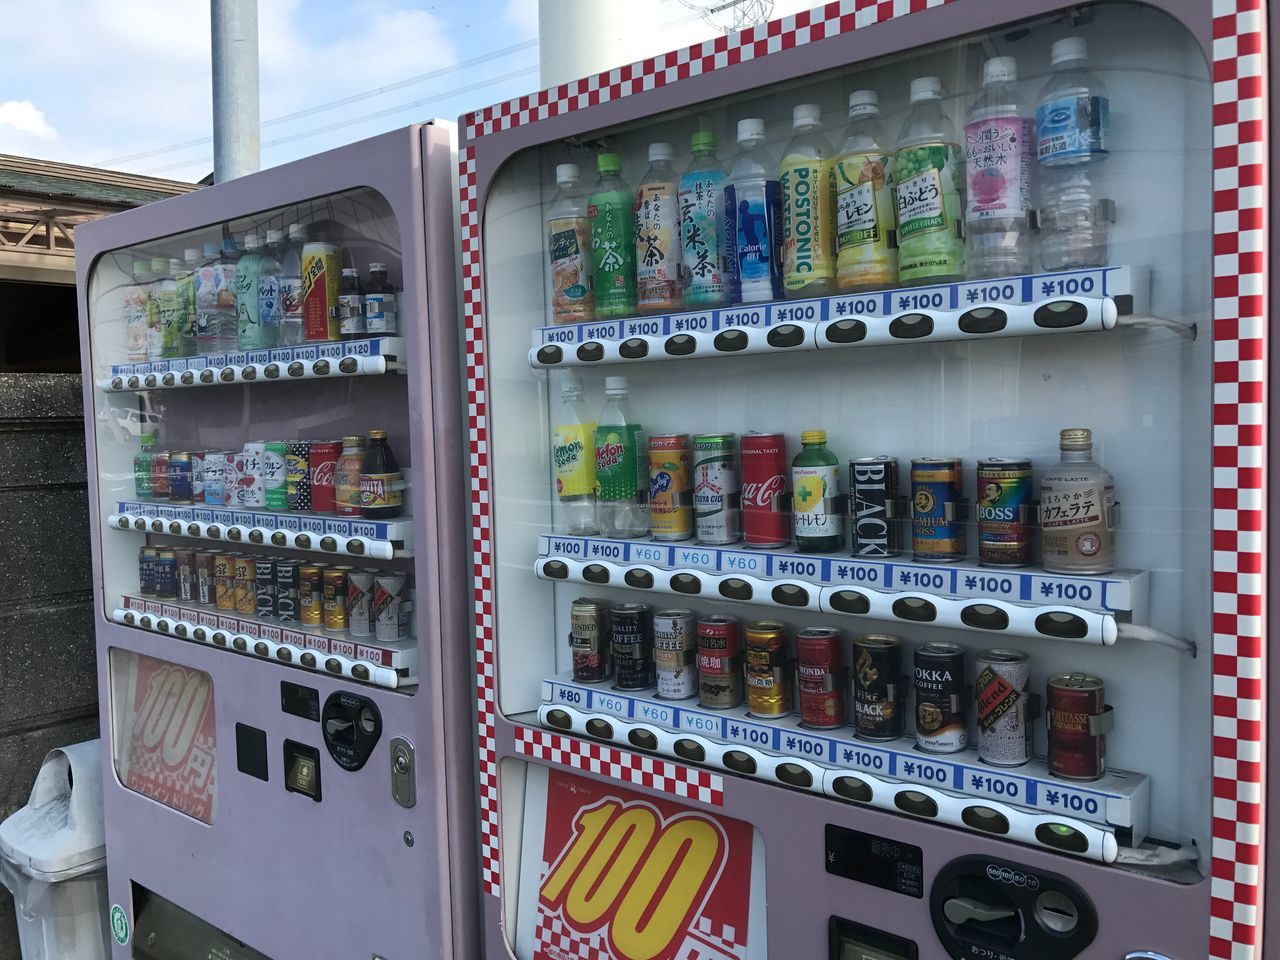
246, 585
335, 599
311, 594
769, 669
670, 487
224, 581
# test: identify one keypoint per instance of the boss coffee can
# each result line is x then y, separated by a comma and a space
873, 507
937, 515
1000, 692
941, 724
768, 669
631, 627
1004, 509
877, 682
719, 662
1078, 722
675, 646
821, 677
590, 640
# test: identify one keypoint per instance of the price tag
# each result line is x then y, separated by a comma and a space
692, 322
1067, 589
751, 734
739, 561
609, 703
861, 757
924, 578
656, 713
802, 311
927, 771
560, 547
996, 786
743, 317
700, 558
649, 553
858, 572
868, 305
1002, 585
692, 722
1081, 803
815, 571
343, 648
803, 745
600, 331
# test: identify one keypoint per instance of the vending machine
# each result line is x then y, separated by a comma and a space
868, 461
271, 380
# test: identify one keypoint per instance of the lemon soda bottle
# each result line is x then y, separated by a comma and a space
866, 258
815, 486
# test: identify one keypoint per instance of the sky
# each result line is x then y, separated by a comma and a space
125, 84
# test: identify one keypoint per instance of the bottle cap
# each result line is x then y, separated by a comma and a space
659, 151
159, 266
1075, 438
750, 129
252, 241
210, 249
813, 436
615, 385
350, 271
297, 231
191, 254
608, 163
926, 88
704, 141
377, 434
352, 441
1068, 49
566, 172
864, 103
275, 236
147, 439
1000, 70
805, 115
229, 245
174, 266
377, 268
570, 385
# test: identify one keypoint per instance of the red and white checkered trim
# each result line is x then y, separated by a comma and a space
1239, 475
723, 51
559, 942
634, 768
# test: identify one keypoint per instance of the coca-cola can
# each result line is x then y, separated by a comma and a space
323, 458
764, 484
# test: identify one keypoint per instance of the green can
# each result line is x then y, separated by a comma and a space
275, 489
611, 210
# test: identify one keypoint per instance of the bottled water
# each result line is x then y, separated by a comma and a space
997, 147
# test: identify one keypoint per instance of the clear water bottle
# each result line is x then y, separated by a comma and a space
998, 150
753, 219
574, 460
622, 466
1072, 116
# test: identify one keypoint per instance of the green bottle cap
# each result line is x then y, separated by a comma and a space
609, 163
704, 141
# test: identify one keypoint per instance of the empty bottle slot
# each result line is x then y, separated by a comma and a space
983, 616
643, 739
1057, 314
740, 762
985, 819
560, 719
550, 354
690, 750
1062, 837
787, 335
794, 775
851, 788
601, 729
735, 589
1064, 626
911, 326
916, 803
595, 573
730, 341
633, 349
681, 345
790, 595
591, 352
850, 601
555, 569
915, 609
686, 583
638, 578
846, 331
983, 320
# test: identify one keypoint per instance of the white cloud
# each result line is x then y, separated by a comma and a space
25, 117
522, 16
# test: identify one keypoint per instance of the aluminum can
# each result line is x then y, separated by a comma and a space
360, 602
590, 640
769, 668
1078, 720
197, 476
717, 490
186, 575
246, 585
215, 478
147, 571
166, 574
675, 648
765, 523
205, 594
323, 458
1004, 512
287, 591
266, 577
311, 594
390, 607
248, 492
873, 507
719, 662
1000, 696
297, 475
878, 694
631, 629
937, 515
941, 722
275, 495
224, 581
336, 599
670, 487
821, 677
180, 478
160, 475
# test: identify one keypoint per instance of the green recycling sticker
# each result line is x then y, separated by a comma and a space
119, 924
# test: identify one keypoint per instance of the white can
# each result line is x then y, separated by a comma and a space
389, 603
360, 587
248, 491
675, 646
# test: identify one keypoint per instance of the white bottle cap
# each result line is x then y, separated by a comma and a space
659, 151
1000, 70
376, 267
275, 236
926, 88
1067, 49
566, 172
297, 231
570, 385
615, 385
350, 271
191, 254
864, 103
174, 266
252, 241
806, 115
750, 129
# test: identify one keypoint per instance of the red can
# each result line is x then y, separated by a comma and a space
1078, 718
820, 668
719, 662
322, 460
764, 482
160, 476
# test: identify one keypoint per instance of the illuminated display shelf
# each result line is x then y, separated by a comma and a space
391, 664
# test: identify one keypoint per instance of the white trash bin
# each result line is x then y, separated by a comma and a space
53, 859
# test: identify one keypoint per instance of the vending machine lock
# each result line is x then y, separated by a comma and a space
403, 789
352, 725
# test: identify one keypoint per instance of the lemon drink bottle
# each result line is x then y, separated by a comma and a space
928, 186
574, 457
866, 258
622, 467
807, 179
815, 486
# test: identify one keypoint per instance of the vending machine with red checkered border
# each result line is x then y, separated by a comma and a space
272, 391
868, 442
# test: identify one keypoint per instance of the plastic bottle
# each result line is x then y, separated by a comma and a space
350, 305
613, 239
1072, 119
134, 313
248, 308
381, 483
157, 273
658, 284
928, 186
866, 258
225, 268
187, 291
703, 276
998, 148
1077, 509
379, 303
622, 467
574, 459
269, 288
291, 286
568, 246
143, 462
753, 220
169, 303
815, 486
807, 181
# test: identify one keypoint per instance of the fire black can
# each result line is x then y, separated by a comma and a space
873, 507
631, 628
286, 591
590, 640
265, 574
941, 722
877, 687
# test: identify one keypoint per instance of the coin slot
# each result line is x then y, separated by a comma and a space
916, 803
591, 352
1058, 314
555, 569
985, 819
850, 601
681, 345
846, 331
983, 320
915, 609
690, 750
851, 788
735, 589
633, 349
600, 729
731, 341
1057, 912
983, 616
1062, 837
686, 583
739, 762
641, 579
560, 719
911, 326
1063, 626
786, 335
550, 355
643, 739
794, 775
790, 595
595, 573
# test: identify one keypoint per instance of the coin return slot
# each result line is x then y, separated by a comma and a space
740, 762
591, 352
731, 341
555, 569
595, 573
787, 335
846, 331
983, 616
1064, 626
915, 610
1062, 837
1057, 912
850, 601
1059, 314
851, 788
911, 326
602, 729
916, 803
560, 719
686, 583
690, 750
985, 819
643, 739
633, 349
681, 345
641, 579
790, 595
984, 320
550, 355
794, 775
735, 589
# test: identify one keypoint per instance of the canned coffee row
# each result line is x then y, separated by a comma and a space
338, 600
726, 663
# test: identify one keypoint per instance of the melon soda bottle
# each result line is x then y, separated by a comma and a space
928, 186
657, 226
622, 467
865, 258
807, 180
613, 240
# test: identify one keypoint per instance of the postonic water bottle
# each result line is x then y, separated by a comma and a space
807, 181
622, 467
1072, 116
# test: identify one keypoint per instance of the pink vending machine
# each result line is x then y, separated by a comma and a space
272, 391
868, 449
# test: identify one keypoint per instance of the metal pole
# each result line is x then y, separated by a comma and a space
236, 149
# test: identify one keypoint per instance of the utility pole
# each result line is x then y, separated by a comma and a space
236, 148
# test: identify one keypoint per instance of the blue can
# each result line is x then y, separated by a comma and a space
166, 573
937, 509
181, 478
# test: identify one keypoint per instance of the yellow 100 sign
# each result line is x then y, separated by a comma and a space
642, 876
